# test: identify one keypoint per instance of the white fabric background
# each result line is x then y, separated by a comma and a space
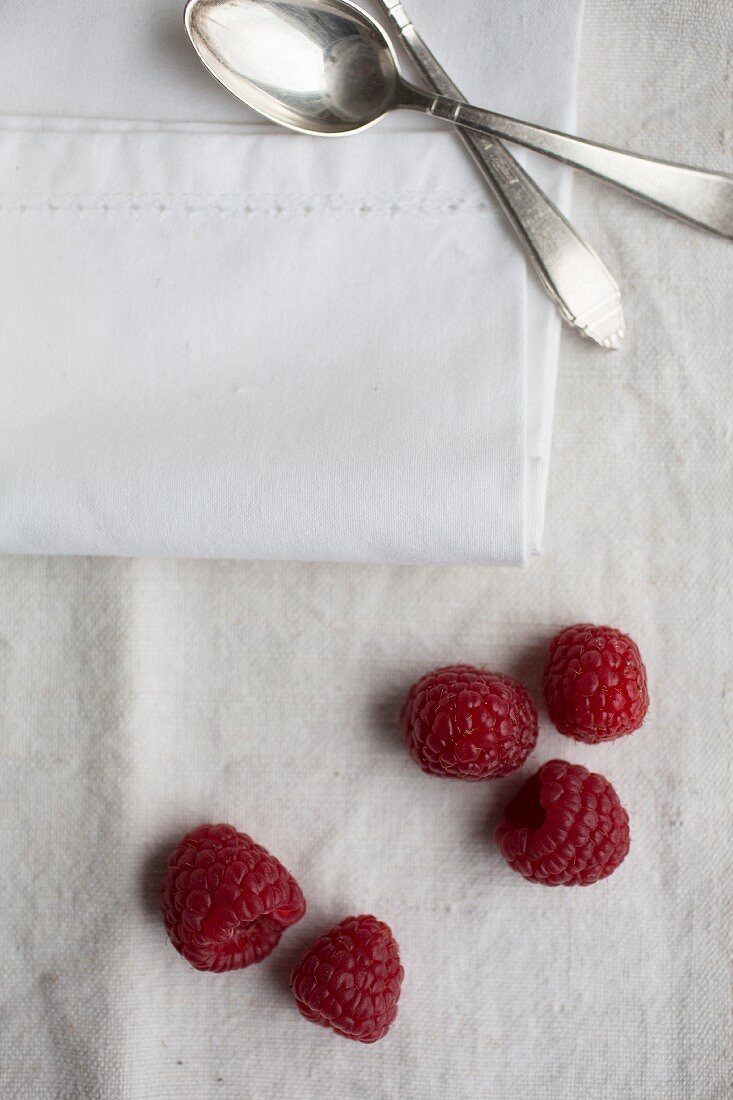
140, 697
258, 345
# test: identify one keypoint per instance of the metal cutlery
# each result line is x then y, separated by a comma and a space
586, 293
326, 67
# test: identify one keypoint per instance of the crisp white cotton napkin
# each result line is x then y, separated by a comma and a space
226, 340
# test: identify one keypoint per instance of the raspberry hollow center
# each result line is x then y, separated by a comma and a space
525, 811
245, 926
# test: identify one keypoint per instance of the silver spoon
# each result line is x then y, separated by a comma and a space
326, 67
586, 294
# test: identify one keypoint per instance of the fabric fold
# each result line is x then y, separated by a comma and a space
226, 340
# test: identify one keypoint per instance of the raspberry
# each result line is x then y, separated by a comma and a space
564, 827
350, 979
226, 900
468, 724
595, 683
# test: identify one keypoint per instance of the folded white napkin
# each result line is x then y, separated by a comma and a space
222, 339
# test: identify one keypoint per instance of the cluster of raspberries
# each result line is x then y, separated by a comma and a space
226, 901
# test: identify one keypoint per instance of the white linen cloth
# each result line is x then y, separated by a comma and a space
138, 698
225, 340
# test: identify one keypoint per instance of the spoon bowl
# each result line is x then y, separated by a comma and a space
315, 66
326, 67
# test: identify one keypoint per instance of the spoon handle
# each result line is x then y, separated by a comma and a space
585, 292
703, 198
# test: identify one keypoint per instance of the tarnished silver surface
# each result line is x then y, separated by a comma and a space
326, 67
586, 293
705, 199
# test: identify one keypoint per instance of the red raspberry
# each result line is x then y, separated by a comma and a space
468, 724
564, 827
226, 900
595, 683
350, 979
